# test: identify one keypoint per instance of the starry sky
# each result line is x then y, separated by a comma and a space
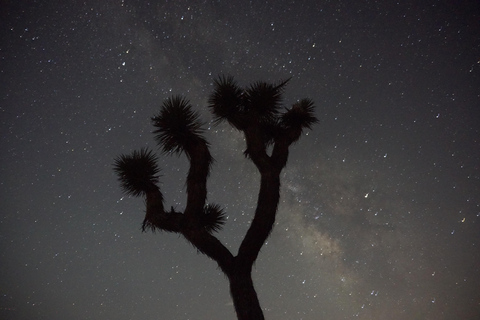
380, 203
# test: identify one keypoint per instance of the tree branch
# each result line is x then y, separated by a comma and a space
210, 246
256, 148
157, 218
193, 230
269, 194
200, 162
262, 223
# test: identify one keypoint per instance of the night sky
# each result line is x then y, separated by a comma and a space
379, 215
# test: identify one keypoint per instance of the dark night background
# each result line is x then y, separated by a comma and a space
380, 209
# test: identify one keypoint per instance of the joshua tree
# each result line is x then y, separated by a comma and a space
269, 132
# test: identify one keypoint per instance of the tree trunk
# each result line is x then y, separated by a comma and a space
244, 297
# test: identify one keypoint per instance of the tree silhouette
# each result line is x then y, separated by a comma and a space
255, 110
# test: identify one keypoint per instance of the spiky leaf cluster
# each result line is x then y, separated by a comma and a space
300, 116
225, 102
137, 172
263, 100
259, 105
177, 125
213, 218
260, 102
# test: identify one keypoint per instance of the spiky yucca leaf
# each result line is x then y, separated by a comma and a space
213, 218
263, 100
137, 172
225, 102
300, 116
177, 125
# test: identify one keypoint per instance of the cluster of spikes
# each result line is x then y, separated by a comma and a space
177, 126
211, 220
260, 103
178, 129
138, 172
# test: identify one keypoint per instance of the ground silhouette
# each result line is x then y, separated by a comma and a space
269, 129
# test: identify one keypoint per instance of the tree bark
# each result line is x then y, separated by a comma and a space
244, 296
